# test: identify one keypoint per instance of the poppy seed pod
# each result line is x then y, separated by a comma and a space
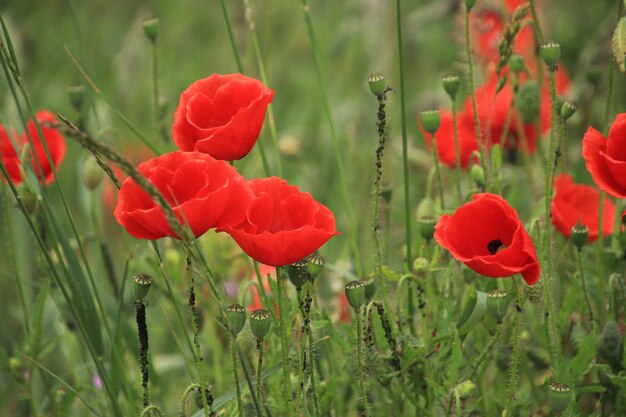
151, 29
551, 53
297, 273
141, 285
568, 109
528, 101
377, 84
92, 173
580, 235
260, 321
560, 396
236, 315
355, 293
426, 226
430, 120
498, 304
421, 265
451, 83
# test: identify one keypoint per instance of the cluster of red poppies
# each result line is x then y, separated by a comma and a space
218, 119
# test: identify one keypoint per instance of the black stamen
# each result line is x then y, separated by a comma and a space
495, 246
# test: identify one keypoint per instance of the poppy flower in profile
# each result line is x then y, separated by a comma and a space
577, 202
606, 157
39, 160
446, 148
487, 235
221, 115
203, 192
282, 224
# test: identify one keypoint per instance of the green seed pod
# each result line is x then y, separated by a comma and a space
560, 396
370, 288
151, 29
527, 101
141, 285
76, 94
297, 273
426, 227
236, 315
260, 321
355, 293
315, 264
551, 53
478, 175
28, 196
377, 83
517, 63
430, 120
421, 265
568, 109
498, 304
580, 235
611, 342
451, 84
92, 173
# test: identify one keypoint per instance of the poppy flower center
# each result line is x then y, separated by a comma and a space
495, 246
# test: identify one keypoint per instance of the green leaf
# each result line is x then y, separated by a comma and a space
472, 314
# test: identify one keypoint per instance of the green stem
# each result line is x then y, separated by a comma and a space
284, 346
152, 409
359, 359
581, 271
233, 351
316, 404
405, 153
183, 398
303, 347
487, 351
457, 149
538, 33
381, 121
259, 370
231, 37
155, 90
438, 173
514, 365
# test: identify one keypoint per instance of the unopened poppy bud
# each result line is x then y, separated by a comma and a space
370, 288
580, 235
611, 342
478, 175
76, 95
355, 293
426, 208
498, 304
28, 196
451, 83
465, 389
377, 83
528, 101
151, 29
560, 396
236, 315
469, 4
260, 321
430, 120
551, 53
141, 285
421, 265
534, 293
517, 63
92, 173
426, 227
568, 109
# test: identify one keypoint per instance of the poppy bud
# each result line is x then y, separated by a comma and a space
76, 95
151, 29
370, 288
465, 389
498, 304
527, 101
580, 235
618, 43
478, 175
451, 83
236, 315
92, 173
534, 293
260, 321
611, 342
421, 265
560, 396
469, 4
426, 226
141, 285
355, 293
568, 109
517, 63
28, 196
430, 120
377, 83
551, 53
426, 208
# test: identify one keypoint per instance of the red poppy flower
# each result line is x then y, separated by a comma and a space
40, 165
282, 224
576, 202
606, 158
446, 148
488, 237
221, 115
202, 191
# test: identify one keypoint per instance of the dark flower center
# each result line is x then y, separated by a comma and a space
495, 246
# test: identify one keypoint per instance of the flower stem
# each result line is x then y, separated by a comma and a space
142, 330
381, 121
581, 272
233, 352
152, 409
155, 92
259, 370
231, 37
438, 173
514, 365
183, 398
457, 149
359, 358
405, 157
284, 346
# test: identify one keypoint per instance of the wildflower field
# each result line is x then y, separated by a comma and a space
312, 208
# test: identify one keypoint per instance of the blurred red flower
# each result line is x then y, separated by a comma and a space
282, 224
202, 191
40, 164
577, 202
487, 235
606, 158
221, 115
267, 272
446, 148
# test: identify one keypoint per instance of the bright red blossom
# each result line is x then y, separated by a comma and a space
203, 192
221, 115
282, 224
576, 202
606, 157
487, 235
